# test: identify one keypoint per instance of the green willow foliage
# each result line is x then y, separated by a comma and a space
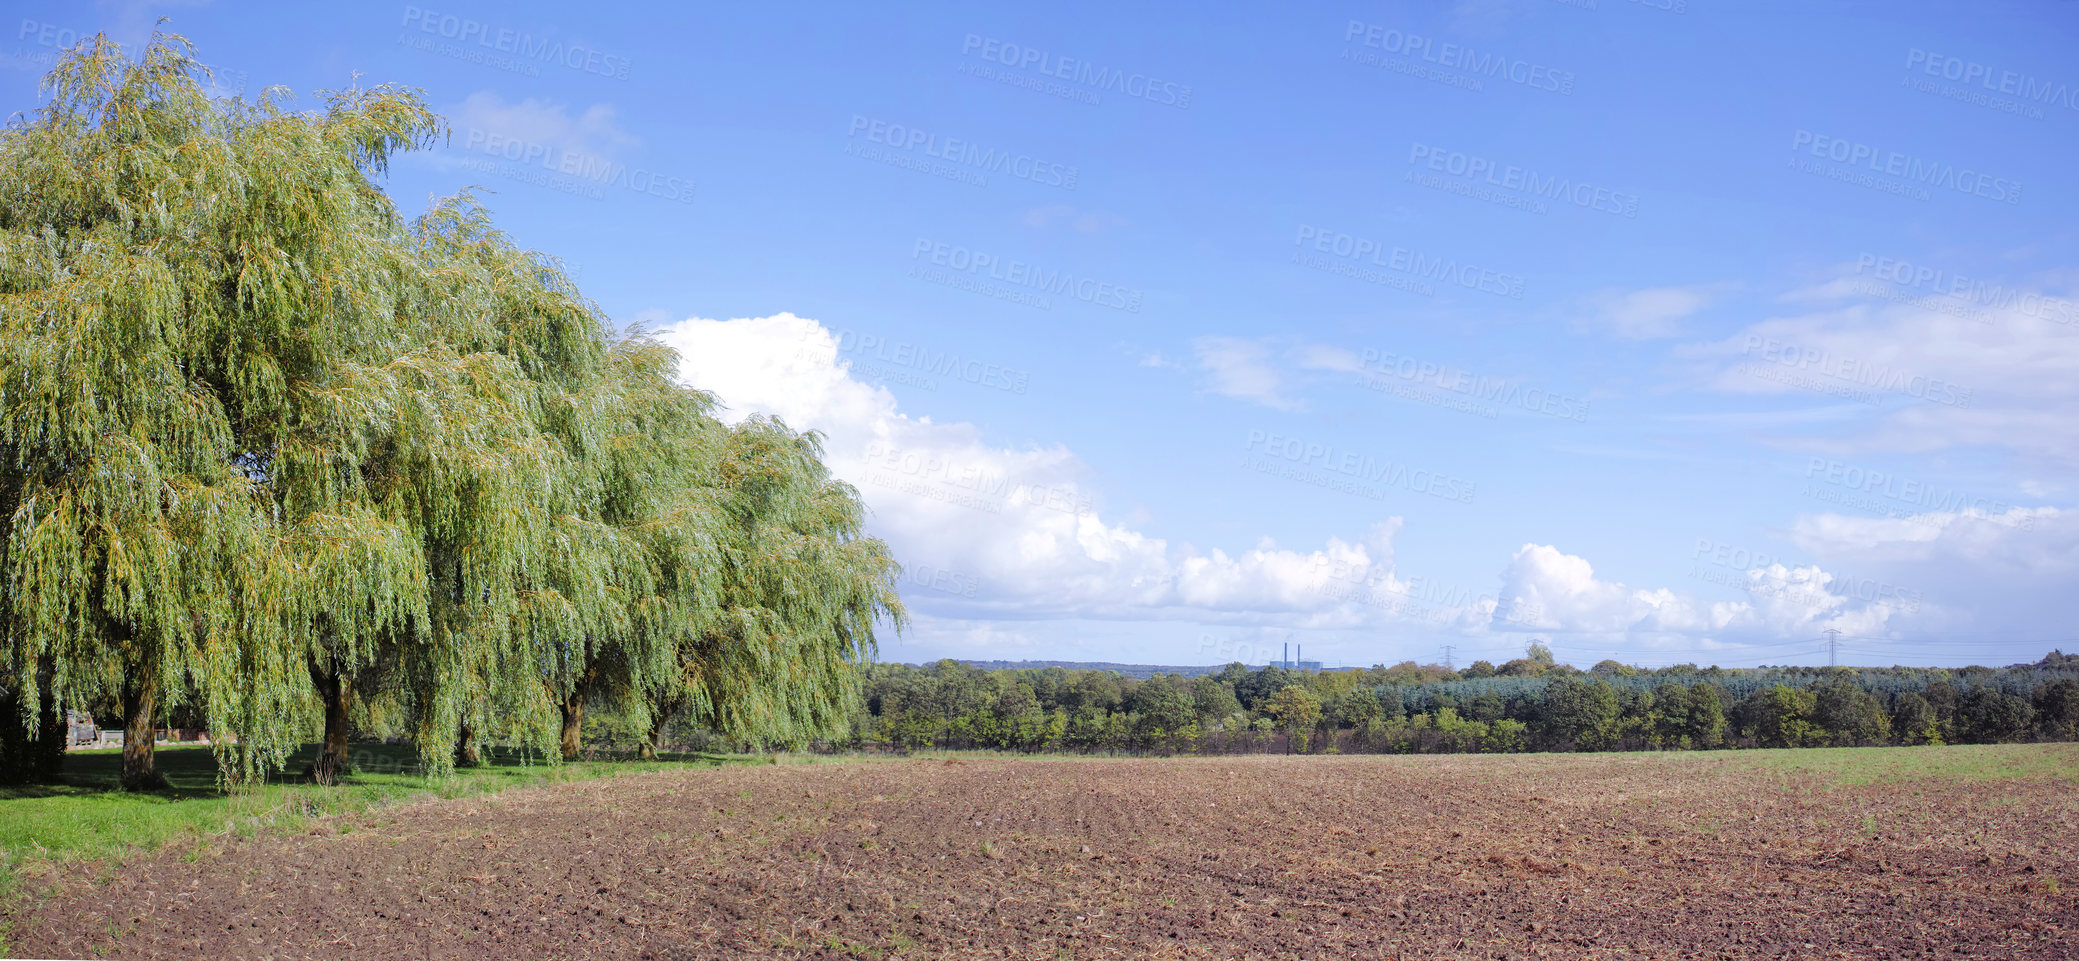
801, 590
271, 450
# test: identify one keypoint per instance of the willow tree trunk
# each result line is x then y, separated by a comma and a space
574, 723
141, 732
662, 709
648, 750
466, 754
334, 689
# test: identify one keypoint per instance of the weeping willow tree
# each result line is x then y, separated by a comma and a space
649, 505
510, 304
230, 419
267, 448
614, 567
801, 592
137, 352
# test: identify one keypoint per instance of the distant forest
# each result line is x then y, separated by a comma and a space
1527, 704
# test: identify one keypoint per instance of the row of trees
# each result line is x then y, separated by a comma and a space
274, 456
1427, 708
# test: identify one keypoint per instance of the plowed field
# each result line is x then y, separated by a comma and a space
1637, 856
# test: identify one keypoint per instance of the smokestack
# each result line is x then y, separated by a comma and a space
1302, 654
1288, 655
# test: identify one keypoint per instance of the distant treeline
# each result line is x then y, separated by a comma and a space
1529, 704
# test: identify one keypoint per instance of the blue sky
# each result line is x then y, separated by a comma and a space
1664, 331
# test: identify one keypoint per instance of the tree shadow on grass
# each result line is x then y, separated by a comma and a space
191, 769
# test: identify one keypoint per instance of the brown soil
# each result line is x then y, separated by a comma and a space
1634, 856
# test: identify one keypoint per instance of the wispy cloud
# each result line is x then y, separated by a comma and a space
1243, 369
1650, 313
1081, 221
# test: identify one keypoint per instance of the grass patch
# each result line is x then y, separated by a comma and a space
84, 818
1843, 766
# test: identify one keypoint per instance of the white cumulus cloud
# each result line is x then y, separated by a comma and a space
1021, 522
1001, 533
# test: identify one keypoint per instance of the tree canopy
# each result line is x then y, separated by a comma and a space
269, 450
1430, 709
